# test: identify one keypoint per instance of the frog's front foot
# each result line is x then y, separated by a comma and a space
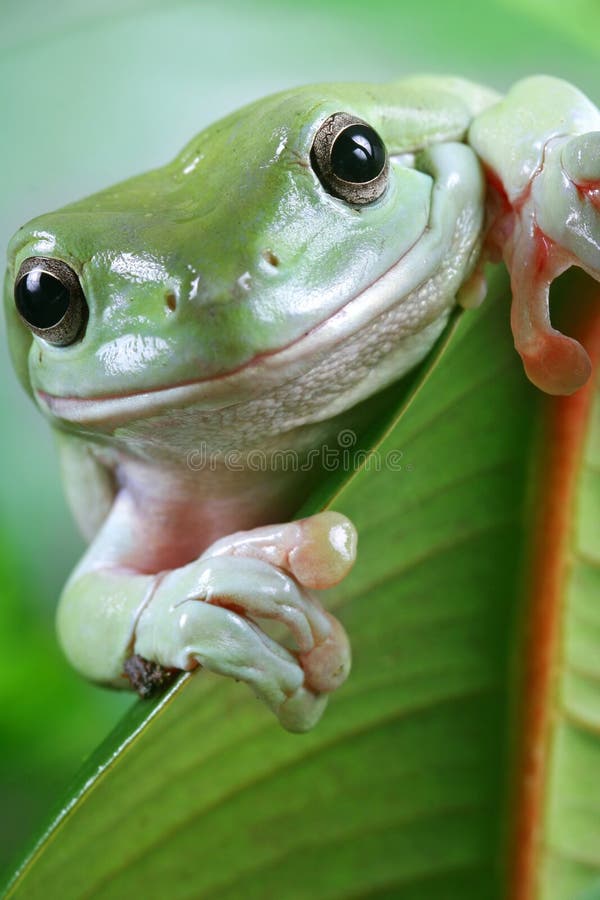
541, 150
555, 225
205, 614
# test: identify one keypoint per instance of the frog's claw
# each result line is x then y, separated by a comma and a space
317, 552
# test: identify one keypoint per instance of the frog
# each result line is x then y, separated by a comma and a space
254, 297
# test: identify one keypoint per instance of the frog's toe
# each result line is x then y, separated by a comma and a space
580, 159
327, 665
326, 552
554, 362
302, 710
325, 668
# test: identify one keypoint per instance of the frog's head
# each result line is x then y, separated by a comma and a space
324, 226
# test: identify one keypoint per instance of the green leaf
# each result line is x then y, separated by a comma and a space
593, 893
404, 789
136, 102
581, 19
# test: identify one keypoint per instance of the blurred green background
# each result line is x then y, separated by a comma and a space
91, 94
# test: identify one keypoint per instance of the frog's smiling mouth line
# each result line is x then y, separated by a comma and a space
268, 369
256, 376
246, 382
212, 393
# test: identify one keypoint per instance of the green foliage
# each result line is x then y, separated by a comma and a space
91, 94
402, 786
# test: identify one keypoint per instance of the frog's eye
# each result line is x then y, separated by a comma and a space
49, 299
350, 159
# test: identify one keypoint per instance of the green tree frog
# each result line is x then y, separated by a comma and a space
256, 295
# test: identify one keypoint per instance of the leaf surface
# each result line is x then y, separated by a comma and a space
410, 787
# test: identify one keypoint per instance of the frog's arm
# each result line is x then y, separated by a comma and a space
198, 614
541, 150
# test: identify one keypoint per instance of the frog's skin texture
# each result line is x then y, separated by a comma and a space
234, 304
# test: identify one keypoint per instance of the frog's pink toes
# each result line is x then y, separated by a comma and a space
543, 227
326, 551
317, 551
327, 665
325, 668
554, 362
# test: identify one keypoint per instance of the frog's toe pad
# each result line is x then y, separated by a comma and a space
557, 364
326, 552
327, 665
302, 710
580, 159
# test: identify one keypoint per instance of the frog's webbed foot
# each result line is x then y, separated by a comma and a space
205, 614
543, 169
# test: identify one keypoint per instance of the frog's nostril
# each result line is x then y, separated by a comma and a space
171, 301
271, 258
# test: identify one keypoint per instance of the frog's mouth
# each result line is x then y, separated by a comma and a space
258, 376
272, 370
216, 392
267, 372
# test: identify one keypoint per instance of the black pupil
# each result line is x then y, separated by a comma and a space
42, 299
358, 154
